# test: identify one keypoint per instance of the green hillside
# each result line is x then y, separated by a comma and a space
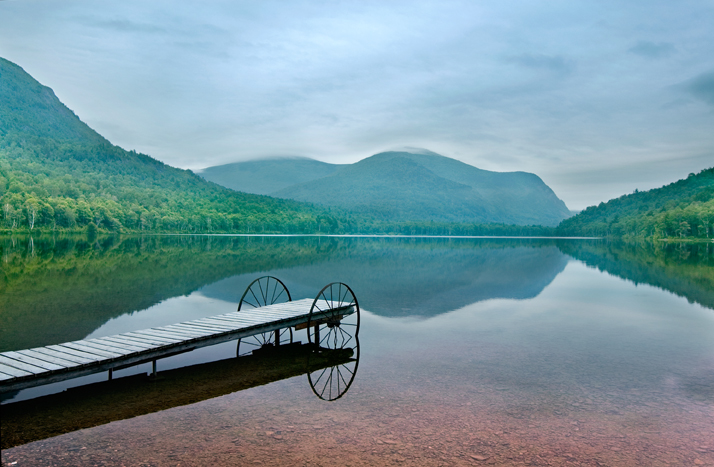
404, 186
267, 176
57, 173
683, 209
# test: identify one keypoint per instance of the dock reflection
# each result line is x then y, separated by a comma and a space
99, 403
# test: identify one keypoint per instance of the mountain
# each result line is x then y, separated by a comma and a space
413, 186
681, 209
58, 173
266, 176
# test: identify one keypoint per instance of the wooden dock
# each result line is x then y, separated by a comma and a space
23, 369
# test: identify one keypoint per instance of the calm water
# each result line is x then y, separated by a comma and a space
473, 351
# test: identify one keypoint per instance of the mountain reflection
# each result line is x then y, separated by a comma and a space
421, 278
56, 289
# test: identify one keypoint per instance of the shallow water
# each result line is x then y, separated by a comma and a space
472, 352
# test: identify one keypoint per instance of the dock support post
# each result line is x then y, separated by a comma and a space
277, 337
110, 374
153, 368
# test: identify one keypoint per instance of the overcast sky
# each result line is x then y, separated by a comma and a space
597, 98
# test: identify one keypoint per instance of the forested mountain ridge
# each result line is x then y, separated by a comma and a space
401, 186
56, 172
266, 176
682, 209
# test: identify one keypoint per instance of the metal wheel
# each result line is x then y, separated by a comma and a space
334, 318
333, 329
331, 383
264, 291
264, 340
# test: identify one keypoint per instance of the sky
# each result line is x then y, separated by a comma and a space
598, 98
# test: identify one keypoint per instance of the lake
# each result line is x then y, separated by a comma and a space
473, 351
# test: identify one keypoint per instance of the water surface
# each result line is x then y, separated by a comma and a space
473, 351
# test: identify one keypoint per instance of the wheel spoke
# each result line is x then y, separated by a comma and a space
276, 298
262, 294
326, 336
329, 380
257, 300
345, 342
347, 368
321, 375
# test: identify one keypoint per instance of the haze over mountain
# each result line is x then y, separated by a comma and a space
416, 185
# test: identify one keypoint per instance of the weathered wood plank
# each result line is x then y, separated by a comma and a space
15, 372
176, 334
124, 342
267, 316
194, 327
4, 376
90, 350
242, 322
32, 361
160, 335
79, 353
47, 358
191, 332
118, 345
246, 318
217, 326
135, 340
235, 324
103, 348
157, 340
11, 362
62, 355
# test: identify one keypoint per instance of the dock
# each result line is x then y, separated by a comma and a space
21, 369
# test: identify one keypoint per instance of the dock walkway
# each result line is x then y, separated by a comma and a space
23, 369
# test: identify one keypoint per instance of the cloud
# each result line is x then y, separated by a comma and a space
702, 87
652, 50
554, 63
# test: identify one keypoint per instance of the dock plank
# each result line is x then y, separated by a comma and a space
90, 350
15, 372
80, 353
62, 355
92, 344
222, 322
217, 324
176, 334
127, 343
158, 340
171, 338
33, 369
191, 330
193, 327
47, 358
118, 345
136, 340
32, 361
